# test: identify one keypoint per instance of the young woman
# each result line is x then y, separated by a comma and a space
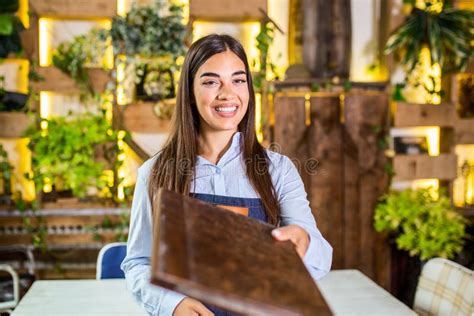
213, 154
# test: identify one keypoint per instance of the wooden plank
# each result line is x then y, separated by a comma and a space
412, 167
327, 38
290, 131
57, 81
141, 118
61, 221
326, 187
14, 124
366, 119
232, 11
203, 251
59, 239
464, 131
410, 114
30, 39
81, 9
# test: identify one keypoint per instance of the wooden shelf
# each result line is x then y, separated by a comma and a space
60, 239
411, 115
62, 221
141, 118
14, 124
80, 9
232, 11
413, 167
57, 81
464, 131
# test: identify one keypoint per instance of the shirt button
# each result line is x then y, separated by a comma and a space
218, 170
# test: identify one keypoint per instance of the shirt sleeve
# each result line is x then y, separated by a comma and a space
136, 265
294, 207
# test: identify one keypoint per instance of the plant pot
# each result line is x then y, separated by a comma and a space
13, 101
154, 84
406, 271
54, 195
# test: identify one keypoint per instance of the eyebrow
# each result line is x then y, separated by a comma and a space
213, 74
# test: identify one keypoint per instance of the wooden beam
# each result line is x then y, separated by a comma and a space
413, 167
141, 118
410, 114
464, 131
14, 124
80, 9
59, 239
57, 81
231, 11
61, 221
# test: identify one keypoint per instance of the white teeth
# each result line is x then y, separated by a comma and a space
226, 109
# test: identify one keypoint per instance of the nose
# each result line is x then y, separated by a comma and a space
225, 93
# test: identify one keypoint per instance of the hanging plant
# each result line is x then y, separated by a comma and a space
10, 28
448, 34
150, 31
152, 38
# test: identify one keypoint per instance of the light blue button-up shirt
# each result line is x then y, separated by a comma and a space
227, 178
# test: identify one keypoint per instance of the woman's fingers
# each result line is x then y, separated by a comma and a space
201, 309
294, 233
191, 307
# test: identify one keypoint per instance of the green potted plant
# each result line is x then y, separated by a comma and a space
152, 38
420, 224
421, 227
448, 33
10, 28
63, 156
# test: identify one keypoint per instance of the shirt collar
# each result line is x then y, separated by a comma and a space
231, 152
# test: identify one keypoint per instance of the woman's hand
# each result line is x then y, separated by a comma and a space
294, 233
191, 307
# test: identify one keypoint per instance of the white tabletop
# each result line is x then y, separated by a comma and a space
348, 292
78, 297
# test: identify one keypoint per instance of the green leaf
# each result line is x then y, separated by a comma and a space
6, 24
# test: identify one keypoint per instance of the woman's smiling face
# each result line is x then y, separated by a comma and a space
221, 92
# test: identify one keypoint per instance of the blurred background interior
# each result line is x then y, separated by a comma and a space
373, 98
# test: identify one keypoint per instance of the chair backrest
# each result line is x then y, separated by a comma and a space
109, 259
444, 288
9, 305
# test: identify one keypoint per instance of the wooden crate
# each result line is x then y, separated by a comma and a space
464, 131
80, 9
141, 118
410, 115
57, 81
413, 167
14, 124
232, 10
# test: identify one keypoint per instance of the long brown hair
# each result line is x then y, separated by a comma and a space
175, 163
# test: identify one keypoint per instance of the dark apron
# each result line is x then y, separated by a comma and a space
255, 210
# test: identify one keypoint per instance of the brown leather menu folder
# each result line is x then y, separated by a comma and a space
228, 260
